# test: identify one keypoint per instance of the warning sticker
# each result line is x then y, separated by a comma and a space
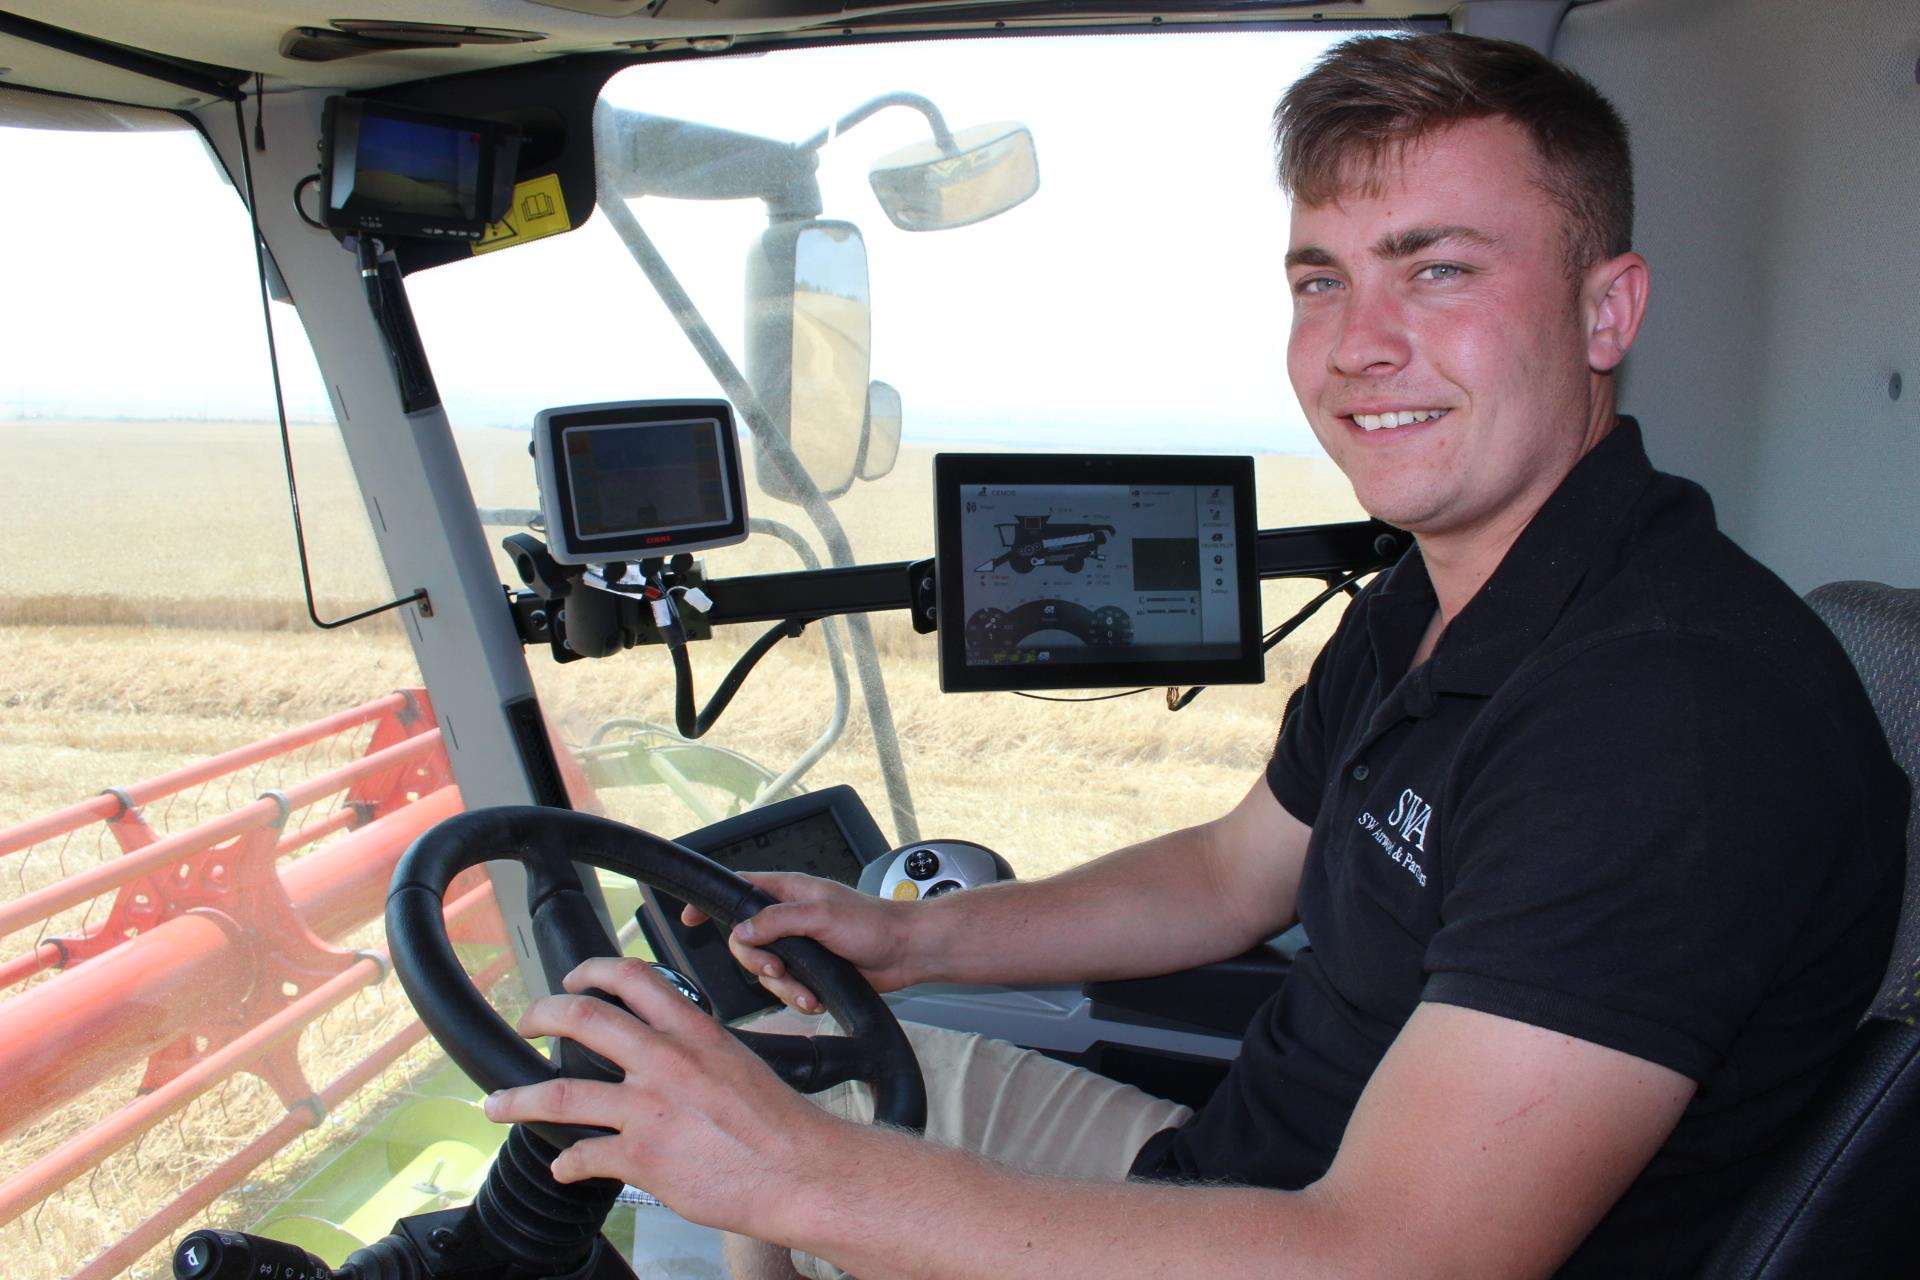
538, 210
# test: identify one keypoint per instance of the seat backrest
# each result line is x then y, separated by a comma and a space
1841, 1198
1879, 627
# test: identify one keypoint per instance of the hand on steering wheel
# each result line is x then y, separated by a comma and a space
567, 933
699, 1121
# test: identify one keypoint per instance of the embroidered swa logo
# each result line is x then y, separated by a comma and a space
1409, 818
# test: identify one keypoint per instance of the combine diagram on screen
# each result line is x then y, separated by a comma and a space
1070, 573
1033, 542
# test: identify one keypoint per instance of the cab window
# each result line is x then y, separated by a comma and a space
1135, 302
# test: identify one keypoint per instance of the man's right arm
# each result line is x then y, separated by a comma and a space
1173, 902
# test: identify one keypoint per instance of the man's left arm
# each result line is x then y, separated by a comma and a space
1481, 1147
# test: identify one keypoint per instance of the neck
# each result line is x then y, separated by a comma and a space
1459, 561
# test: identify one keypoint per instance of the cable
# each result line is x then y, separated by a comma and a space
1312, 607
280, 399
831, 638
692, 726
1176, 702
1281, 632
1099, 697
300, 186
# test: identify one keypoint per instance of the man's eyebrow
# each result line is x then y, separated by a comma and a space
1404, 244
1398, 244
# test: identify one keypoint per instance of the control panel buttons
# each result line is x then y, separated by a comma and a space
930, 868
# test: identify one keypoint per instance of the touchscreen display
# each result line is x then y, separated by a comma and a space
1058, 574
815, 845
639, 478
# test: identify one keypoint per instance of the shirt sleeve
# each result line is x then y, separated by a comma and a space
1297, 770
1634, 847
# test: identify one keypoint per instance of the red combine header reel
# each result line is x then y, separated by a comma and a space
201, 951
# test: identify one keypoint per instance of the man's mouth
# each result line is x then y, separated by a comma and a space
1389, 419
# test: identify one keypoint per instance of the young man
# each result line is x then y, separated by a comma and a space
1594, 834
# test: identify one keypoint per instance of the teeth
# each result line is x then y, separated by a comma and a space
1398, 418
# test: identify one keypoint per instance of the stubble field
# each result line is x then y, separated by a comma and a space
151, 617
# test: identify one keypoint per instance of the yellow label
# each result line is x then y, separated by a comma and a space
538, 210
906, 891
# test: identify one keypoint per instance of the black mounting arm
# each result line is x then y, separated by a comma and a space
602, 623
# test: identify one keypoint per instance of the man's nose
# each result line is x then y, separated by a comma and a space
1373, 336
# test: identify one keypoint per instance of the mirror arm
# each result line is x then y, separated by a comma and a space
638, 154
942, 136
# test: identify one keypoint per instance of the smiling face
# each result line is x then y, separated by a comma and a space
1443, 355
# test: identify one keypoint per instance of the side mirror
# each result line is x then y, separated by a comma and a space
990, 169
809, 349
880, 442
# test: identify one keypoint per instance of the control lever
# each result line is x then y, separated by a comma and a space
234, 1255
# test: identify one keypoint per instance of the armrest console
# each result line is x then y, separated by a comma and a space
1221, 997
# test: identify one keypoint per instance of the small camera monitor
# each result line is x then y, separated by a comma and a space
1077, 571
639, 478
396, 172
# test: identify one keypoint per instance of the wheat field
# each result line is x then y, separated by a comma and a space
152, 617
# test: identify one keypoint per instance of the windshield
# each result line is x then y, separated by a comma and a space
1133, 301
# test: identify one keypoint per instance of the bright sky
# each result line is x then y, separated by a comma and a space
1139, 293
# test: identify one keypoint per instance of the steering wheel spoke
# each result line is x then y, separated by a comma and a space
810, 1063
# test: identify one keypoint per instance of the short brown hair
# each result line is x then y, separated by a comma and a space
1368, 98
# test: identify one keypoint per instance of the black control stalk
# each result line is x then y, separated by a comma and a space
234, 1255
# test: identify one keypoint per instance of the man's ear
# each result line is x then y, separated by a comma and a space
1613, 300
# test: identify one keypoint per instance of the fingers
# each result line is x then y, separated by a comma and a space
785, 920
782, 920
641, 989
564, 1101
792, 994
787, 886
608, 1030
763, 965
591, 1158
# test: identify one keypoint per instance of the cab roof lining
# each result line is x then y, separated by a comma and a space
245, 36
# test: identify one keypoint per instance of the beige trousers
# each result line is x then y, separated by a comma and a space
1006, 1103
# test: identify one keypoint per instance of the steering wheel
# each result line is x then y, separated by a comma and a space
566, 931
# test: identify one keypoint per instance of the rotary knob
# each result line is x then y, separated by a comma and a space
923, 864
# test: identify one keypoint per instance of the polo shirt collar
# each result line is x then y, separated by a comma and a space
1515, 608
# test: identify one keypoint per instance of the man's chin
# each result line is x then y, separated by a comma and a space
1402, 512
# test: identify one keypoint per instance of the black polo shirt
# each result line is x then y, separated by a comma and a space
1637, 796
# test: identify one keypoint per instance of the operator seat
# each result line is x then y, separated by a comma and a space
1841, 1197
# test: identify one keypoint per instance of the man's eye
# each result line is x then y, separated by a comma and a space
1441, 271
1311, 284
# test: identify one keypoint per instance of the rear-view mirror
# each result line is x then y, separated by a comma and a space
989, 169
880, 442
809, 344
